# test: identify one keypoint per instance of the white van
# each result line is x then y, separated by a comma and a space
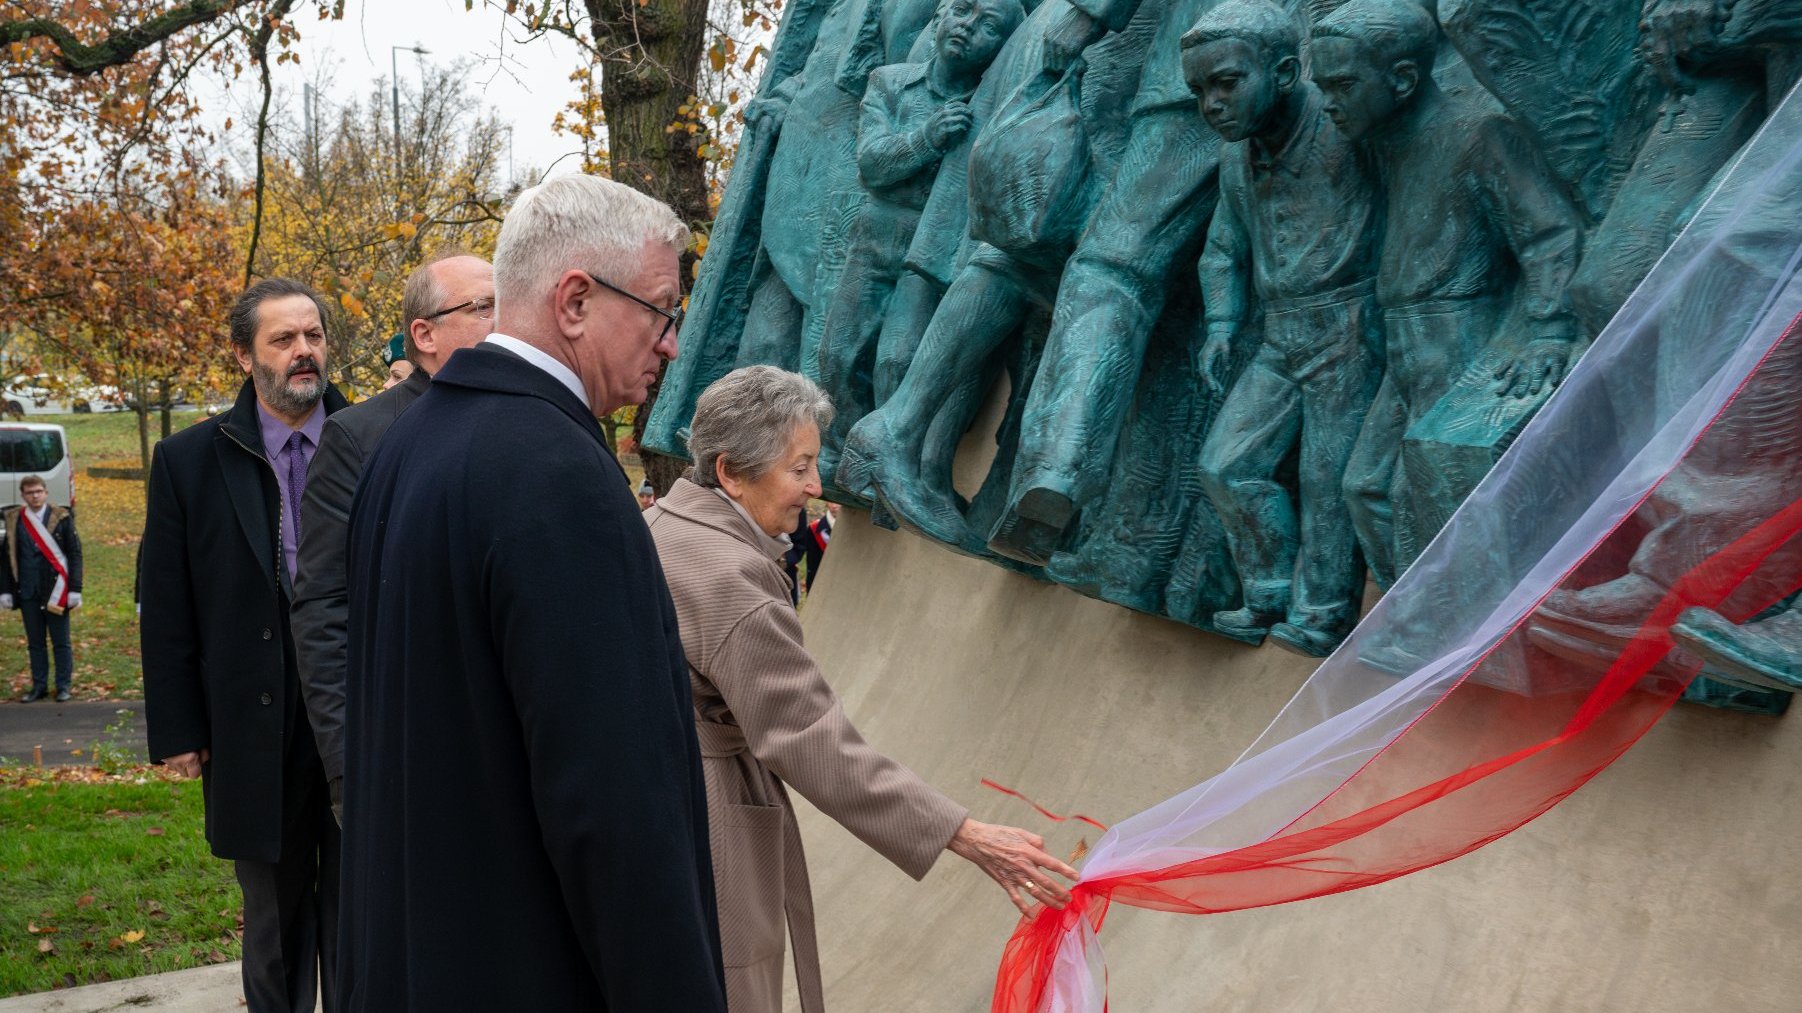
30, 448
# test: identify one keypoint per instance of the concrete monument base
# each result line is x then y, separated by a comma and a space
1670, 883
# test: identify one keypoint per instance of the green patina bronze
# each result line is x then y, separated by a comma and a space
1269, 285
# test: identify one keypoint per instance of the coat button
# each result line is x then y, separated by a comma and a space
266, 633
266, 699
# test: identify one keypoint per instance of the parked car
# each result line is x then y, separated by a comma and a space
99, 397
45, 395
35, 448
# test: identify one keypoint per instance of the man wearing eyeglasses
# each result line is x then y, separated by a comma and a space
448, 304
523, 782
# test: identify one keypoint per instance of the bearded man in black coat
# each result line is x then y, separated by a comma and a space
525, 820
222, 696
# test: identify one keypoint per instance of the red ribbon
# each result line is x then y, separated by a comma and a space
1343, 844
1048, 814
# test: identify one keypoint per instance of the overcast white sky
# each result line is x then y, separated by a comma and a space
525, 84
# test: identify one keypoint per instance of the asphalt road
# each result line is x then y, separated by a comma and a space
58, 729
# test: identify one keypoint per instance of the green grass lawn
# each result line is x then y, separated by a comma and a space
108, 880
109, 515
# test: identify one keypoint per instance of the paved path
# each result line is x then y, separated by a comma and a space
215, 989
61, 728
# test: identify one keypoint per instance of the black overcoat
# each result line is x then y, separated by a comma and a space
219, 670
525, 819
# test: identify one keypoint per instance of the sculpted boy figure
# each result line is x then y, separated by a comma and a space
1471, 206
913, 115
1295, 231
1147, 225
810, 169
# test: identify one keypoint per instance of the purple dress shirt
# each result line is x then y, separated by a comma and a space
290, 474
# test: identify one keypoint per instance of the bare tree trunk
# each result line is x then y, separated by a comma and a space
141, 407
650, 66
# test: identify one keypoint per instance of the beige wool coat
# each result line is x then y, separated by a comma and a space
768, 719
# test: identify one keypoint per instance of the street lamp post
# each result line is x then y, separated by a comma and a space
394, 81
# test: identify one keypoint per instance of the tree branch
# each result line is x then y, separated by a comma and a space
259, 51
81, 60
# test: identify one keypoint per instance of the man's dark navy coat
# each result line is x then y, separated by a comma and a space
525, 820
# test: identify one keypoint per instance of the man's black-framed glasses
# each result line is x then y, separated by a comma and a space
671, 318
481, 308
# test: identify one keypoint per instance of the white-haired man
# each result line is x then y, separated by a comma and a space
526, 822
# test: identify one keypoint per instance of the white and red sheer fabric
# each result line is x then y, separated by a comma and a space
1442, 724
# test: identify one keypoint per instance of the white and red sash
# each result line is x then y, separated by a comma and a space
47, 547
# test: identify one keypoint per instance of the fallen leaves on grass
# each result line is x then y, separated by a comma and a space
131, 937
154, 832
132, 773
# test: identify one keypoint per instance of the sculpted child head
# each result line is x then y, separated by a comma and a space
1369, 58
971, 32
1241, 59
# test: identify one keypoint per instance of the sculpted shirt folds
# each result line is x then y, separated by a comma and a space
766, 718
895, 160
1461, 199
1304, 218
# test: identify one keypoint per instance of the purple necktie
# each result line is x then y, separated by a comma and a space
297, 480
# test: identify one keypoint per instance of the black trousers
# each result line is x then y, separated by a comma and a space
291, 905
39, 626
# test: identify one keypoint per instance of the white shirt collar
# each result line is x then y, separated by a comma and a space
545, 361
775, 545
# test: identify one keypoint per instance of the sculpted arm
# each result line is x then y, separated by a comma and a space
795, 38
1225, 270
1111, 15
1543, 230
1760, 22
890, 152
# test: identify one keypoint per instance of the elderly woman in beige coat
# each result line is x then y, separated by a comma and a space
767, 719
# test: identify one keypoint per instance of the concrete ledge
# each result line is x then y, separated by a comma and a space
215, 989
1668, 885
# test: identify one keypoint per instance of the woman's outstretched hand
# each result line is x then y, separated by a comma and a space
1013, 858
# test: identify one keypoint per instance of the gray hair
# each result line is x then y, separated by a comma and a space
582, 222
747, 417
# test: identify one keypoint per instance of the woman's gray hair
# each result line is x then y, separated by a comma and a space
583, 222
747, 417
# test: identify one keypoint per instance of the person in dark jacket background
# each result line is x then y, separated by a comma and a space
524, 813
222, 697
449, 304
41, 577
